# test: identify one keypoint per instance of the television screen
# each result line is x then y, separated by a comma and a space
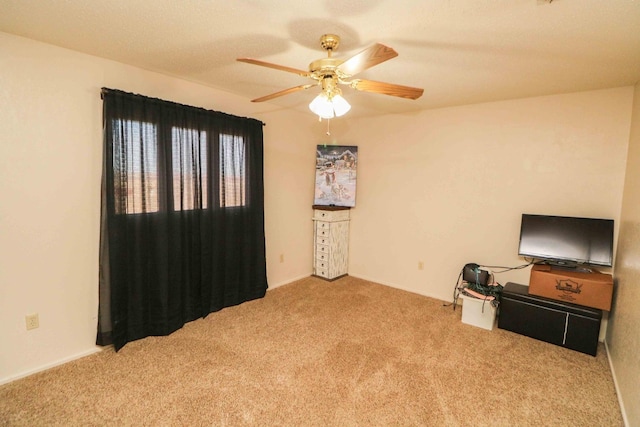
567, 240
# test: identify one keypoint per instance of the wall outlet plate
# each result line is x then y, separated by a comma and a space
32, 321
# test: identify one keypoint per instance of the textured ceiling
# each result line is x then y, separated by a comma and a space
459, 51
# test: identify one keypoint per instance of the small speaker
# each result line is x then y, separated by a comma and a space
473, 274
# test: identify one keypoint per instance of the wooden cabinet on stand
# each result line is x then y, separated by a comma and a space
330, 241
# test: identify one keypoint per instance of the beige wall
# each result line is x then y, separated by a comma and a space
623, 338
50, 166
289, 180
448, 186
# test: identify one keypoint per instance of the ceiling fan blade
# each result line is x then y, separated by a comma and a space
387, 89
275, 66
366, 59
284, 92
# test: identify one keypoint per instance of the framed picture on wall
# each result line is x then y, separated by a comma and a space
336, 175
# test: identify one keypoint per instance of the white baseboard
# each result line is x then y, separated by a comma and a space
615, 383
50, 365
393, 285
286, 282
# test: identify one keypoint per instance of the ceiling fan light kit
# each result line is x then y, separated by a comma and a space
330, 102
328, 108
329, 72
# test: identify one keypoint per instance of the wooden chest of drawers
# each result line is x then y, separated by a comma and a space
330, 242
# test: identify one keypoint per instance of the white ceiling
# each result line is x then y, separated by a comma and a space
459, 51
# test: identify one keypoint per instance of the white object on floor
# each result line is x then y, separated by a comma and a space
478, 312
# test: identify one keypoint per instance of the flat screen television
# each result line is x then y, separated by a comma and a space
567, 241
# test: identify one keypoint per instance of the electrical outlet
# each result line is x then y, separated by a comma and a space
281, 257
420, 265
32, 321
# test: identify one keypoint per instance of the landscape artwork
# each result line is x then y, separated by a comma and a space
336, 175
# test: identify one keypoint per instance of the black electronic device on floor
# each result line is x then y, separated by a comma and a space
568, 325
472, 273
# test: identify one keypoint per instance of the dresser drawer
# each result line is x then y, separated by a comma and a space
322, 240
322, 232
321, 256
322, 225
322, 249
322, 272
321, 215
322, 264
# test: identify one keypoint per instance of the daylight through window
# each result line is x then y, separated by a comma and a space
232, 171
135, 164
189, 152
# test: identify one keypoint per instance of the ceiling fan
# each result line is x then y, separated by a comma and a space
330, 72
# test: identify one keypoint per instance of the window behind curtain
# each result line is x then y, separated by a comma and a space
189, 159
182, 230
135, 157
232, 180
135, 166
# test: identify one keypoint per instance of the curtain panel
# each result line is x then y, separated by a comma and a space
182, 220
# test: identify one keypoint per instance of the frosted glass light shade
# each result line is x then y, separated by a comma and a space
329, 108
321, 105
340, 105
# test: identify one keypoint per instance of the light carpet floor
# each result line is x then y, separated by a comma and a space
318, 353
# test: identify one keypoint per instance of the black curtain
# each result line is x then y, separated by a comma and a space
182, 224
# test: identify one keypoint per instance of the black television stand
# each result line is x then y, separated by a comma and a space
567, 325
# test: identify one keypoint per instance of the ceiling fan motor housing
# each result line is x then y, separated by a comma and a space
323, 68
329, 42
329, 86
